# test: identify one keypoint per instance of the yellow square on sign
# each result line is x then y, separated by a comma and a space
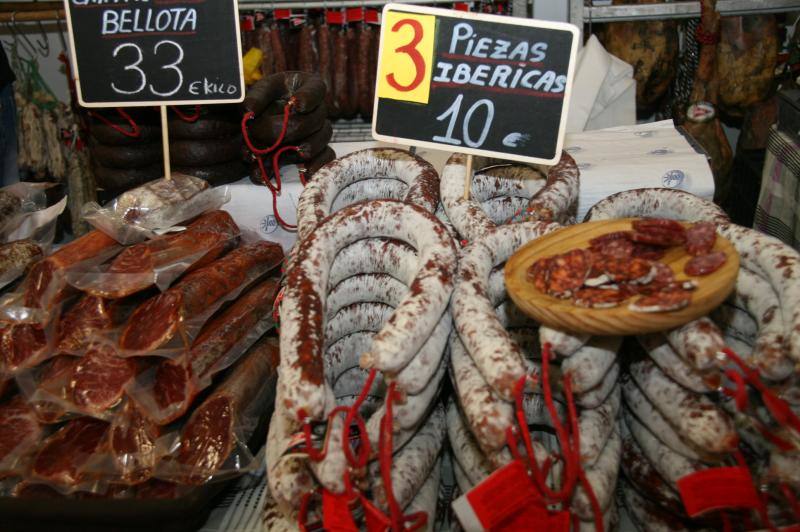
406, 56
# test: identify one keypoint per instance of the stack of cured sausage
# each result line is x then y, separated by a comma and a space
286, 122
109, 354
364, 328
125, 148
692, 405
342, 47
206, 142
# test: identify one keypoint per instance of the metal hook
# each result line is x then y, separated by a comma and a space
29, 46
44, 48
61, 35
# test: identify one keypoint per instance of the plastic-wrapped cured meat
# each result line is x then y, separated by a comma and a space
46, 285
63, 455
133, 444
178, 382
77, 325
209, 436
159, 319
138, 266
98, 380
651, 47
20, 431
52, 388
747, 55
16, 258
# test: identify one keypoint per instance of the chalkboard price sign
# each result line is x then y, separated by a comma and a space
474, 83
155, 52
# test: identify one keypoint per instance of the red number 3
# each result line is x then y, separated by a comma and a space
411, 51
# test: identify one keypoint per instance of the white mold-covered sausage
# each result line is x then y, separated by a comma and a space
672, 365
656, 203
694, 416
602, 477
413, 463
698, 342
589, 364
595, 426
769, 352
600, 393
563, 343
778, 264
300, 383
382, 163
552, 202
669, 464
647, 516
649, 415
428, 497
468, 456
375, 255
369, 189
639, 471
486, 340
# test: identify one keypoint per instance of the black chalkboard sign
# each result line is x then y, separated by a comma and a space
473, 83
155, 52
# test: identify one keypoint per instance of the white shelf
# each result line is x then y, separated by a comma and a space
580, 13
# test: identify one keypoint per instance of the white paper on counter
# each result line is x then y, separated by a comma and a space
642, 156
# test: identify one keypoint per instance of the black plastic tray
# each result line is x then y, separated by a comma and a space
184, 514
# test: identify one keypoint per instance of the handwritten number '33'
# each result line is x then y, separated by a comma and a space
411, 51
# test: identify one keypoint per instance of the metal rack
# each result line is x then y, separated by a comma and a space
580, 13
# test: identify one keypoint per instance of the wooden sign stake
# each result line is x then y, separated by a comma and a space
165, 142
468, 178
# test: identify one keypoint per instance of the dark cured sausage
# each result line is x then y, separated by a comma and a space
65, 453
217, 174
339, 74
177, 383
198, 152
307, 57
266, 129
325, 66
308, 91
353, 88
279, 63
135, 156
205, 128
265, 45
208, 437
116, 180
156, 321
215, 233
365, 91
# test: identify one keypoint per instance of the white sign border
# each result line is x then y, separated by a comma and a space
409, 8
95, 105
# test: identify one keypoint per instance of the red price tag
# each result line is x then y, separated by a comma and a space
461, 6
355, 14
336, 515
248, 23
372, 16
717, 489
334, 17
498, 499
282, 14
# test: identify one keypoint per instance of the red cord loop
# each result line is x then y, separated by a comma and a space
135, 131
187, 118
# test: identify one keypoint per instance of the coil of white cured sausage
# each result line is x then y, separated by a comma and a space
672, 365
383, 163
300, 383
485, 339
699, 420
656, 203
554, 202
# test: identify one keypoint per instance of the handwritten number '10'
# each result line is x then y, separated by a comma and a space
134, 67
411, 51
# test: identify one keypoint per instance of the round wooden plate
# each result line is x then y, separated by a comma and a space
711, 291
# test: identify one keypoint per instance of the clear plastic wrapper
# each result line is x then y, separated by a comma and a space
155, 208
21, 431
160, 261
168, 323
